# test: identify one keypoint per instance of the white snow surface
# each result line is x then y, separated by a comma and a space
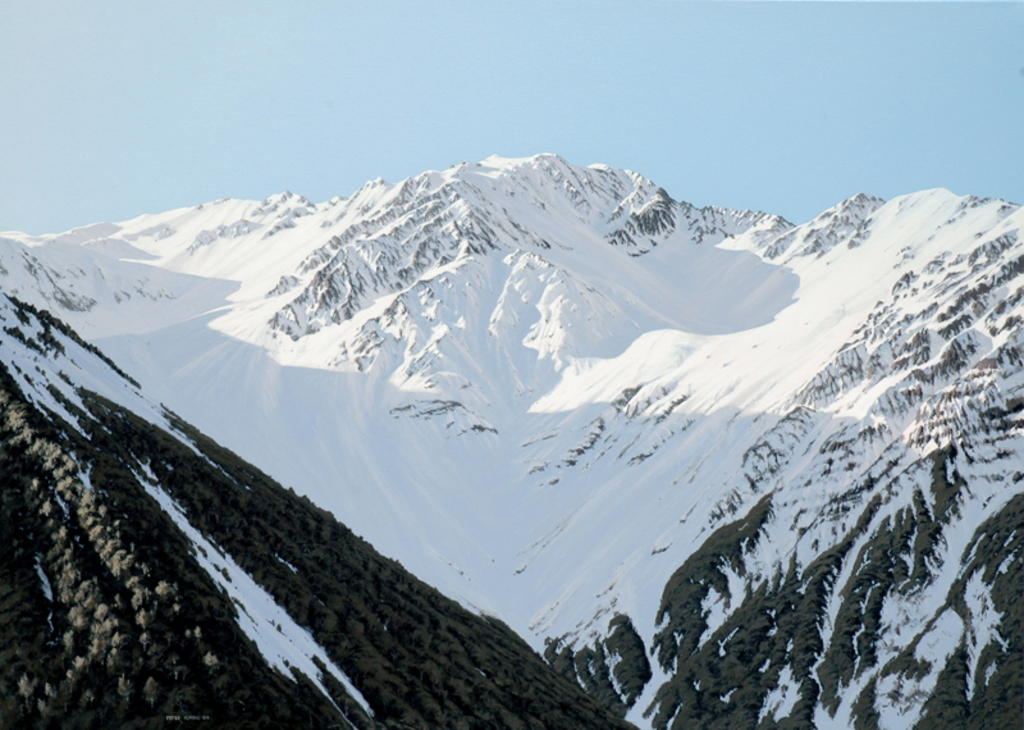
780, 701
540, 386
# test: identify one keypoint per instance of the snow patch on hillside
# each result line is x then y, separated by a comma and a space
283, 643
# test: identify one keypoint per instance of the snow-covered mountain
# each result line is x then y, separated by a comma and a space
718, 467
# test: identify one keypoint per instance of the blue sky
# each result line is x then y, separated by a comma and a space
118, 108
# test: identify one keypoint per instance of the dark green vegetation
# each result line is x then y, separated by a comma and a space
134, 629
619, 656
723, 681
47, 342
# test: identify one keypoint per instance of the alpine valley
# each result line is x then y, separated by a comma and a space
650, 464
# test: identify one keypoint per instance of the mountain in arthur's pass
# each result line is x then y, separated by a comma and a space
720, 470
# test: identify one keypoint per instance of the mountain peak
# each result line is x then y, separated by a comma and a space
842, 223
501, 162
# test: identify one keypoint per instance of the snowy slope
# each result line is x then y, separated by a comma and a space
544, 388
148, 573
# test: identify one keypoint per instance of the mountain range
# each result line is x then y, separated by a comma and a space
716, 469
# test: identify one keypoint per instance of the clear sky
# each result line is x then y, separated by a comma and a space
116, 108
